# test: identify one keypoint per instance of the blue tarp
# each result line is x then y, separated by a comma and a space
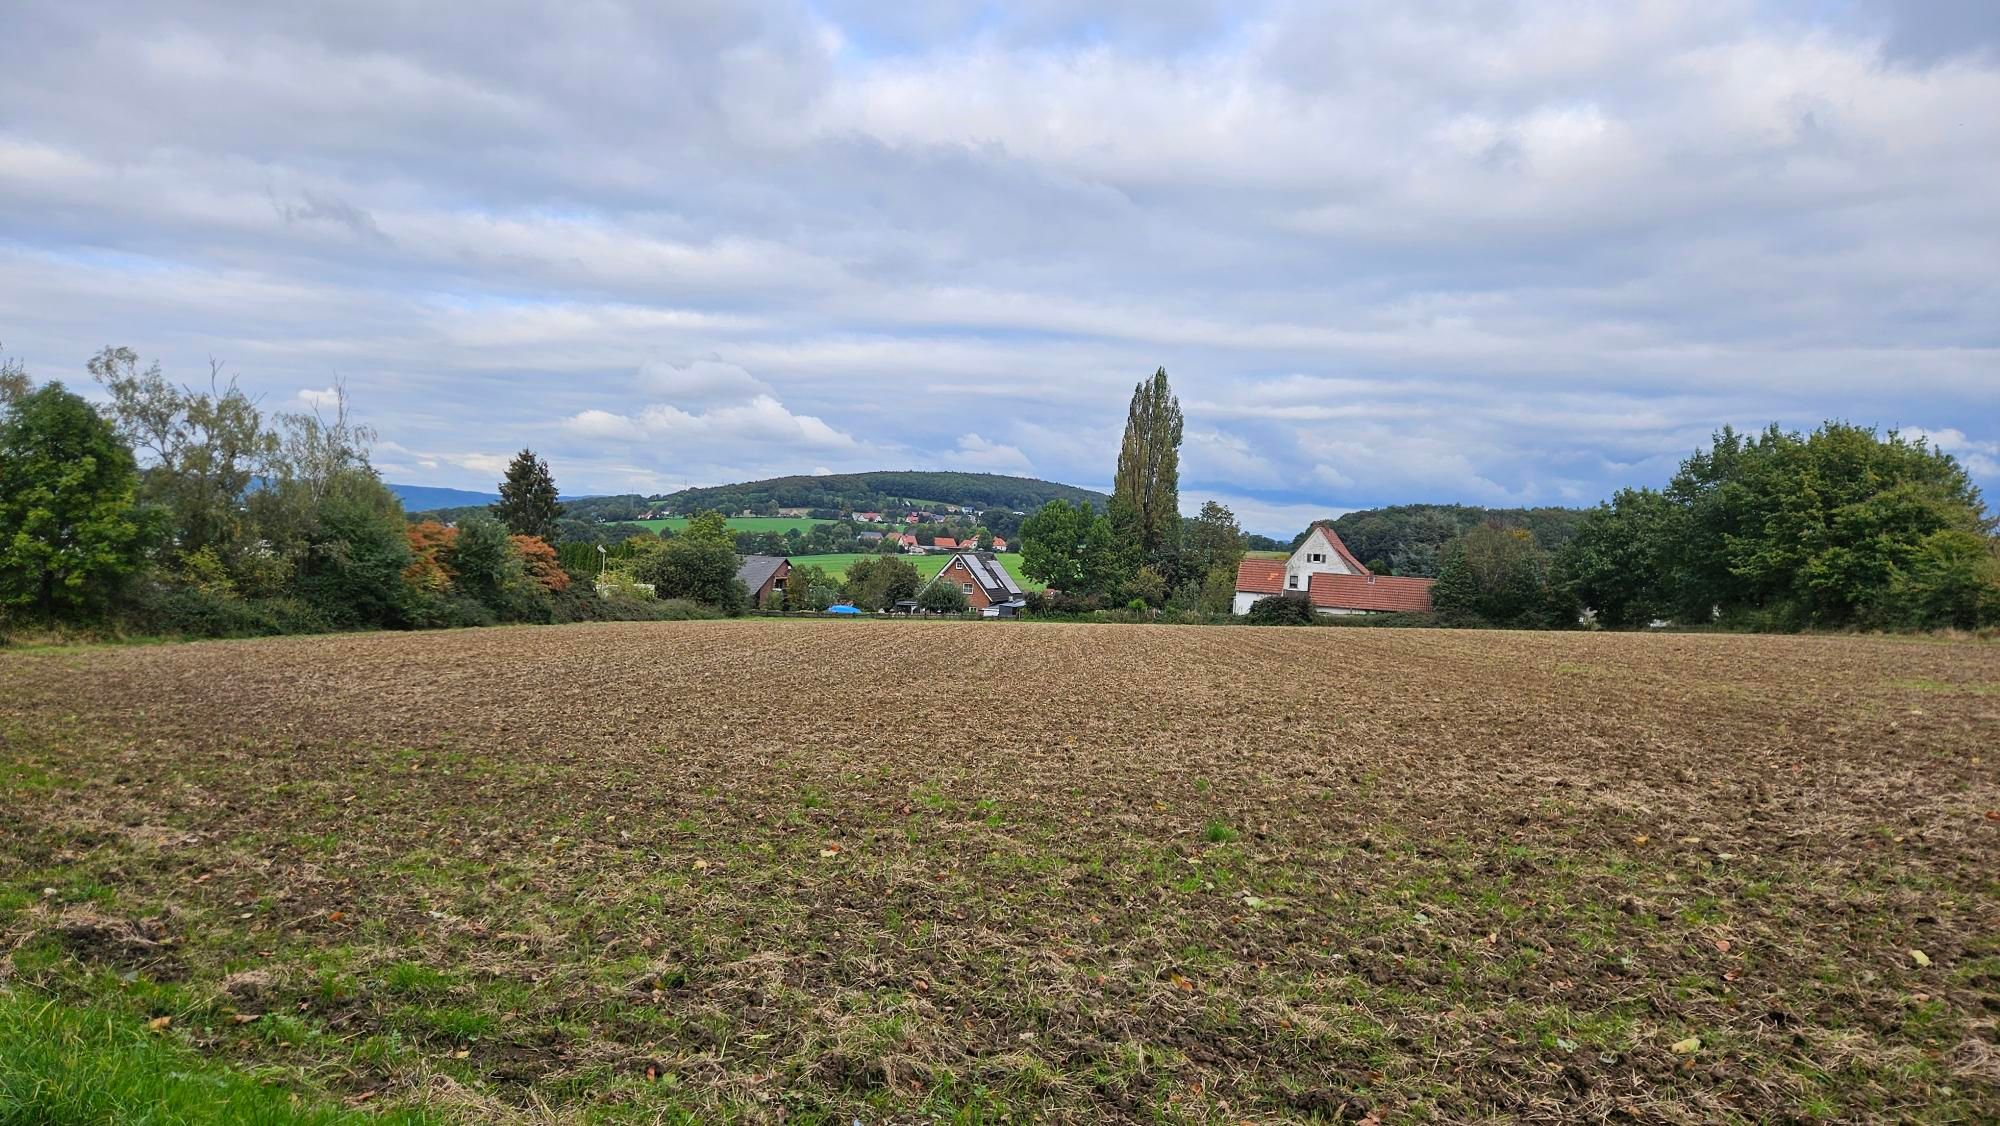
843, 610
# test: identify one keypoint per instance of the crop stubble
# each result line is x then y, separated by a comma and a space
777, 869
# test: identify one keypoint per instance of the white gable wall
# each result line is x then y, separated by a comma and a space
1315, 555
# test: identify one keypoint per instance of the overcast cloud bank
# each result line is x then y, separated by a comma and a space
1388, 251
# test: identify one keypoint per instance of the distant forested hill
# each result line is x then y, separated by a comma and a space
1409, 539
423, 498
865, 491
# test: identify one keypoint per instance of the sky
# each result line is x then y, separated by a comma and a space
1397, 251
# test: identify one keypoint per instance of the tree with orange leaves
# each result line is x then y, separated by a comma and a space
539, 560
430, 543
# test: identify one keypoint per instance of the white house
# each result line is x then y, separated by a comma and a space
1328, 575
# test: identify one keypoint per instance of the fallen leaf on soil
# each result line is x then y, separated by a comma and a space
1686, 1047
829, 852
1641, 839
1920, 958
1181, 982
244, 1018
336, 916
159, 1024
461, 1053
1722, 945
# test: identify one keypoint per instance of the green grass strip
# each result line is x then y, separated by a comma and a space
61, 1065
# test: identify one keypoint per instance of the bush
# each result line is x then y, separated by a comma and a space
353, 572
1416, 620
182, 611
1280, 610
1062, 604
682, 610
943, 598
622, 587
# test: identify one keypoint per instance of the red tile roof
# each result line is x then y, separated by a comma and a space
1367, 592
944, 541
1339, 547
1261, 576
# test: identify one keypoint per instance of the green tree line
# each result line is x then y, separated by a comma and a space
1837, 529
181, 510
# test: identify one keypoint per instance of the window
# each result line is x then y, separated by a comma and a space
1317, 557
1292, 581
966, 587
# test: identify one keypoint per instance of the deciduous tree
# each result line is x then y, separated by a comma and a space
943, 597
880, 582
538, 559
201, 450
431, 544
1146, 491
71, 531
1214, 540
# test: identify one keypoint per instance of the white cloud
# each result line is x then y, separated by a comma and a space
319, 399
983, 455
1213, 455
493, 465
605, 426
1327, 475
700, 381
763, 420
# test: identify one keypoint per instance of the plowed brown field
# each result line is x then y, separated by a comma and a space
818, 871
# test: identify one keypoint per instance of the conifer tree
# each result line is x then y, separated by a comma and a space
528, 503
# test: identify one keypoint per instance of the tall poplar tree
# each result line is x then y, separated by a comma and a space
528, 498
1146, 495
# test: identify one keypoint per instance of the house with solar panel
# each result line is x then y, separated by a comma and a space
986, 583
1326, 574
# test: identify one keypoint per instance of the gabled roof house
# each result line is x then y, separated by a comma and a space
762, 574
1328, 575
987, 585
